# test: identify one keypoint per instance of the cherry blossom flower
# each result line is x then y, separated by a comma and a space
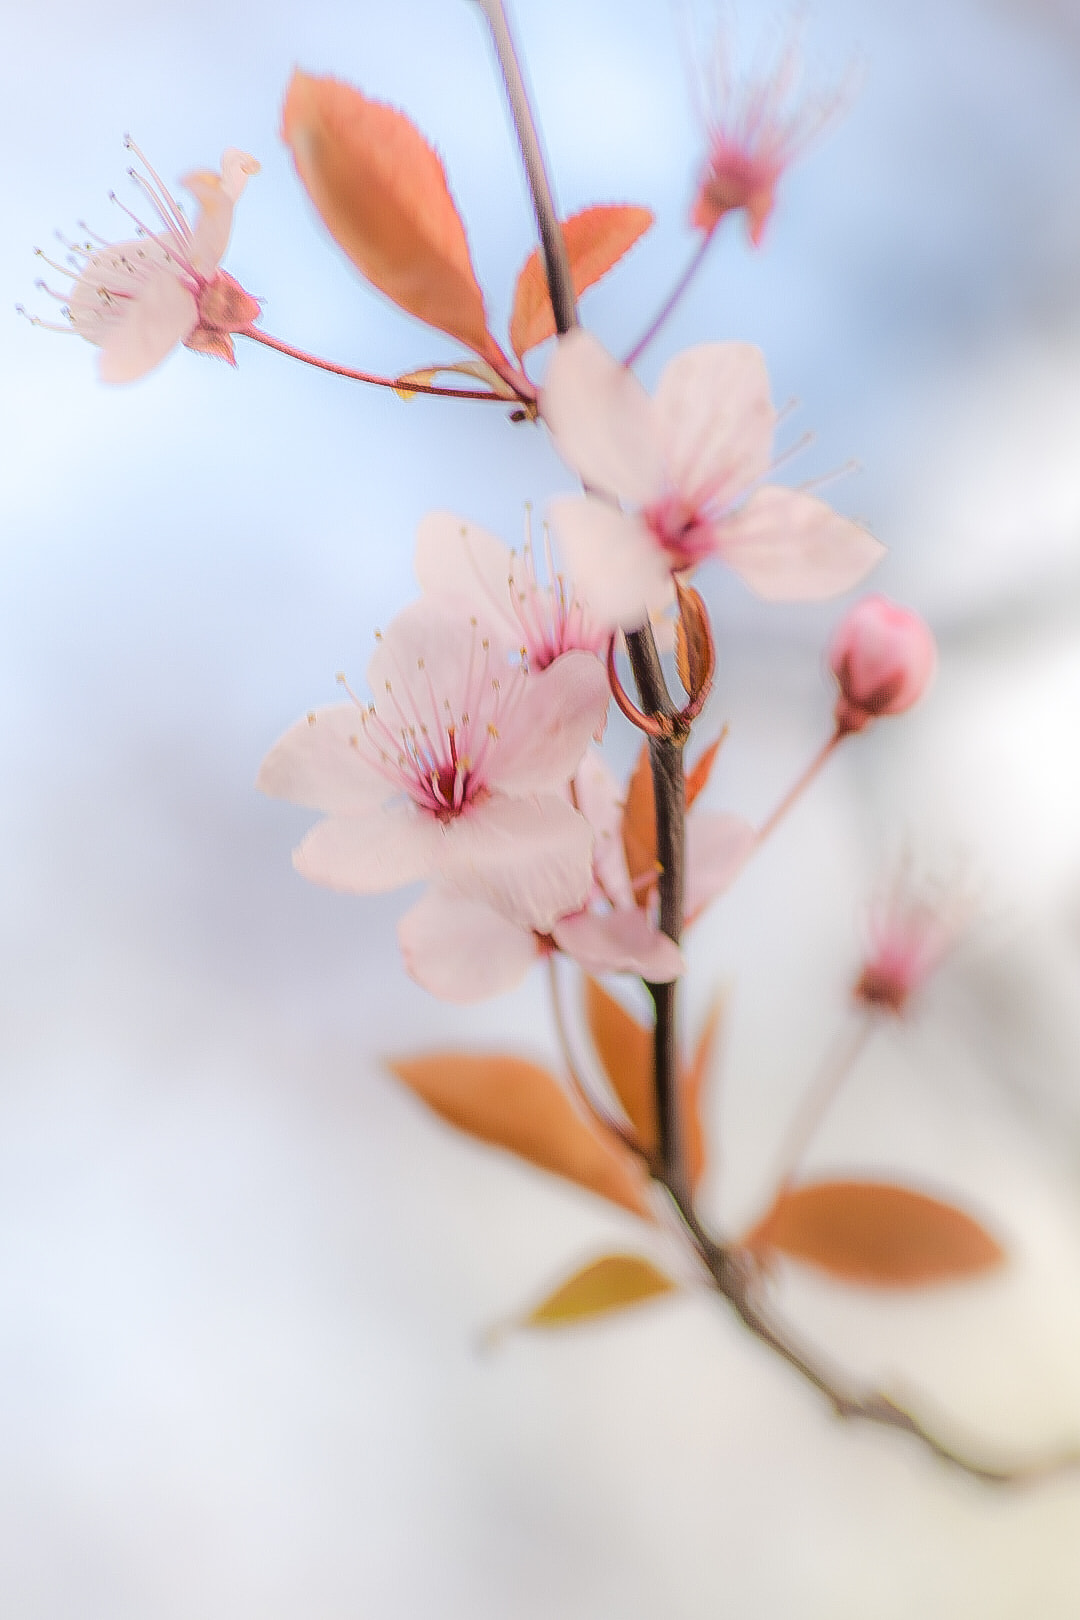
136, 300
883, 657
691, 460
913, 925
457, 772
754, 131
464, 951
465, 567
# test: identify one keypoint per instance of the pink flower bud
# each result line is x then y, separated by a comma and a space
883, 657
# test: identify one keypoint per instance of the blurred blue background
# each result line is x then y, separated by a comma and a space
243, 1278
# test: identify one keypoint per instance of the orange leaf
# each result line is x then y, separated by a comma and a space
872, 1232
693, 1085
596, 239
639, 829
382, 192
517, 1105
697, 779
626, 1051
694, 653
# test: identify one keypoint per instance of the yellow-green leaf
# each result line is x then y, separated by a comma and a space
519, 1106
874, 1233
595, 240
613, 1283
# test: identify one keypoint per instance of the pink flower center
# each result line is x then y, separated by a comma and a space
435, 748
553, 619
683, 528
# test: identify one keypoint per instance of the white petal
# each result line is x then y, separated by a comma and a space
316, 763
130, 302
790, 547
464, 566
461, 950
598, 799
431, 646
717, 848
620, 942
716, 421
371, 853
216, 194
616, 564
603, 422
529, 858
548, 731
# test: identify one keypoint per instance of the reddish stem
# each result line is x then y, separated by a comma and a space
799, 787
371, 377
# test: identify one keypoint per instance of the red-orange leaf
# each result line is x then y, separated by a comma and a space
695, 656
875, 1233
639, 829
382, 192
694, 1082
626, 1051
595, 240
698, 778
517, 1105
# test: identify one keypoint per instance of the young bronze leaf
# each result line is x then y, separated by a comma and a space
611, 1284
875, 1233
479, 370
519, 1106
639, 829
596, 239
694, 655
697, 779
382, 192
626, 1051
693, 1085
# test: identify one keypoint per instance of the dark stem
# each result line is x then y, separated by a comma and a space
670, 301
669, 800
556, 263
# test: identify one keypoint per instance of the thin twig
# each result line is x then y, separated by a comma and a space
838, 1064
397, 384
799, 787
670, 301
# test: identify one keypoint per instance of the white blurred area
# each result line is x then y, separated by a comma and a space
242, 1276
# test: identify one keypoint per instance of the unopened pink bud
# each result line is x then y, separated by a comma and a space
883, 657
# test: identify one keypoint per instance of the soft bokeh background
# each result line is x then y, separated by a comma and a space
243, 1277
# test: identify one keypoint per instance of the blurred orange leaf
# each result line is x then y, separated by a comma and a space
698, 778
875, 1233
596, 239
517, 1105
611, 1284
382, 192
639, 828
695, 1080
625, 1049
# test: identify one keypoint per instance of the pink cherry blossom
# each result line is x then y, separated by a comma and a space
136, 300
883, 657
457, 772
462, 565
465, 951
691, 461
754, 131
913, 925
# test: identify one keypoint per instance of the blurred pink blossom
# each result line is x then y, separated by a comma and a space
883, 657
913, 925
691, 461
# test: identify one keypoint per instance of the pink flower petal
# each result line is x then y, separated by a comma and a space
790, 547
717, 848
461, 950
134, 331
618, 567
442, 647
464, 567
598, 799
548, 731
716, 421
529, 858
217, 195
603, 422
620, 942
316, 763
374, 852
